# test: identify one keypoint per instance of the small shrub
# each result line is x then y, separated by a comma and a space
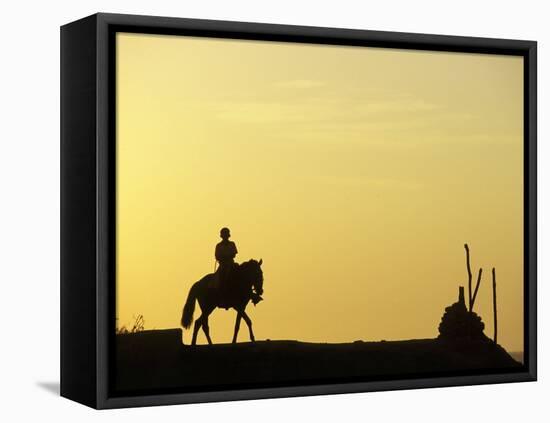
137, 326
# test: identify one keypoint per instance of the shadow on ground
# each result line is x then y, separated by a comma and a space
51, 387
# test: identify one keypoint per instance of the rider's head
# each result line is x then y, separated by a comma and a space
225, 234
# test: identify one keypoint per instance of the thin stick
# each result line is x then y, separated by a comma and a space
469, 277
477, 287
495, 305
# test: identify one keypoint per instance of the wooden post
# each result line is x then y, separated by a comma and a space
477, 287
469, 277
495, 305
461, 296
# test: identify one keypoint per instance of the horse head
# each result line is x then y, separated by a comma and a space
256, 275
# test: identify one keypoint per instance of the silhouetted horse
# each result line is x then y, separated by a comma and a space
239, 292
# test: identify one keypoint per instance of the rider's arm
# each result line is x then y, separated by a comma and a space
217, 252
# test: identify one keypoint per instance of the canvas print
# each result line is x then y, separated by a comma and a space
293, 214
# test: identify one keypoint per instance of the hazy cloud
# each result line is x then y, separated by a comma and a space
300, 84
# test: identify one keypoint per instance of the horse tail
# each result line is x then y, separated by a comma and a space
189, 307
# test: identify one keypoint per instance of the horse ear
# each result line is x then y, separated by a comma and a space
260, 262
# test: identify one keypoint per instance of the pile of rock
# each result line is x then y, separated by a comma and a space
457, 322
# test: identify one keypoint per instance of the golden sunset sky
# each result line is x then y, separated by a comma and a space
356, 173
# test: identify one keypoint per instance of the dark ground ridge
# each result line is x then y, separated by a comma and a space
158, 360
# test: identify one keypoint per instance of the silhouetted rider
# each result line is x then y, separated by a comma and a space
225, 255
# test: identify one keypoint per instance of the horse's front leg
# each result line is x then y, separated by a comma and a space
249, 323
237, 325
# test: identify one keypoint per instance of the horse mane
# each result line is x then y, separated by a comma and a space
247, 264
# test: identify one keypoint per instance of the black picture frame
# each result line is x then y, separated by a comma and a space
88, 200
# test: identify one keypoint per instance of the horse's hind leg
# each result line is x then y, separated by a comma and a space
206, 328
198, 324
249, 323
237, 324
